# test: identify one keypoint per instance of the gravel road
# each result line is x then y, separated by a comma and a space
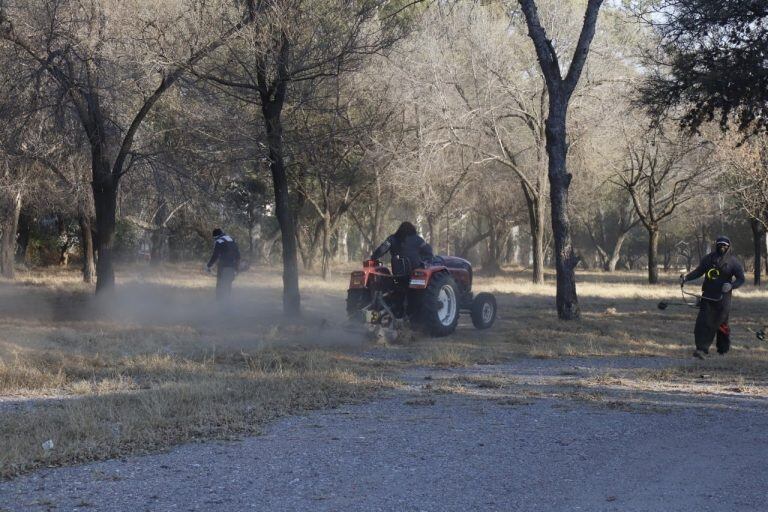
475, 449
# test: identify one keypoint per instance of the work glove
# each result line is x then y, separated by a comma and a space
727, 287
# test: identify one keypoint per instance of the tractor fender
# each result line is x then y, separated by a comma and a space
359, 278
421, 277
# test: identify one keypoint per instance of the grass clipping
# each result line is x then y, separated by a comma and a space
220, 397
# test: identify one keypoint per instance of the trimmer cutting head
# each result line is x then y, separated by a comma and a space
689, 300
664, 305
761, 334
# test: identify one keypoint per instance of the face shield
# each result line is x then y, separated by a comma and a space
722, 248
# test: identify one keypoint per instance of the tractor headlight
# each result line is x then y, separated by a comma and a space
418, 282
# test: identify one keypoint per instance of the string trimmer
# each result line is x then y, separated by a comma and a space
689, 300
692, 300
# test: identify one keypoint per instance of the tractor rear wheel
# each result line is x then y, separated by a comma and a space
440, 305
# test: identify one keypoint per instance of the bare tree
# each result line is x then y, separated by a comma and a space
284, 49
451, 107
660, 173
505, 105
608, 223
332, 151
560, 90
747, 178
112, 66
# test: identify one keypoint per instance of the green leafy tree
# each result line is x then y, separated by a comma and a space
710, 63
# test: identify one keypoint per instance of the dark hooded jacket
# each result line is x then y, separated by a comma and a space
226, 252
717, 270
407, 254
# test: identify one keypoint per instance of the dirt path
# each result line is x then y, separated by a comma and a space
530, 436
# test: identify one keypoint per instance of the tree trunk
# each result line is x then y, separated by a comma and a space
11, 209
86, 244
432, 232
559, 181
325, 263
765, 250
274, 128
491, 265
22, 241
667, 255
255, 243
157, 239
365, 247
602, 257
61, 225
342, 236
462, 251
537, 240
536, 221
758, 233
559, 90
105, 201
653, 252
268, 247
309, 252
158, 236
616, 253
765, 236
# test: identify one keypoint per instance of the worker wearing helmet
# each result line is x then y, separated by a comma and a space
722, 274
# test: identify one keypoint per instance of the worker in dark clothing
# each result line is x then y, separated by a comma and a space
722, 274
408, 250
227, 254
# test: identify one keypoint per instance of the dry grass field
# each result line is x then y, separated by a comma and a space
160, 363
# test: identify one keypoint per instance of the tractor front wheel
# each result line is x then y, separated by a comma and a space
483, 310
440, 305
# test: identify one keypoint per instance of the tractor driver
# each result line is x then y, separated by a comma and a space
719, 269
408, 250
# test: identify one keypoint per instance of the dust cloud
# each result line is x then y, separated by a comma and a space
175, 301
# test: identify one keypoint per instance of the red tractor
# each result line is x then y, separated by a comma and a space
429, 298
